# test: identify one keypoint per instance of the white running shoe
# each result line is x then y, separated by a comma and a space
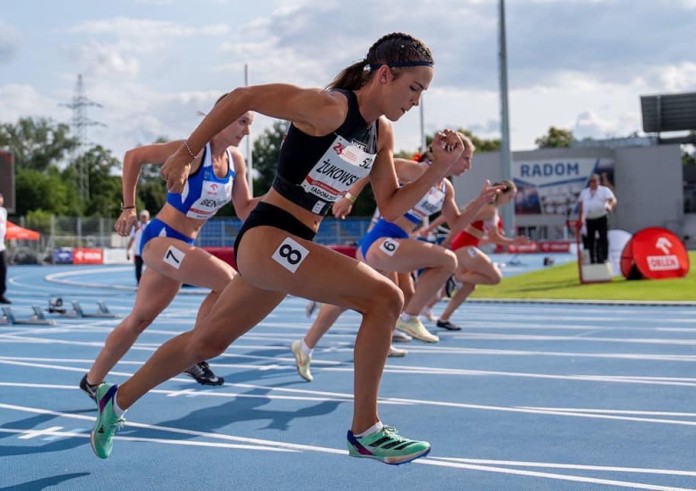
395, 352
302, 361
414, 327
400, 337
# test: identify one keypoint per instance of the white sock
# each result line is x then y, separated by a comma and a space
407, 317
375, 428
306, 350
117, 409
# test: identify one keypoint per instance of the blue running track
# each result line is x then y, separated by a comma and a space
528, 396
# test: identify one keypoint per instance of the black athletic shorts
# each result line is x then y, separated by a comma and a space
271, 215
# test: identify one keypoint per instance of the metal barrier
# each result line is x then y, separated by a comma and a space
97, 233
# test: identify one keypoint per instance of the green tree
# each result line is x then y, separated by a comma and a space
152, 189
47, 191
688, 158
104, 196
37, 143
365, 205
39, 220
265, 156
482, 144
555, 138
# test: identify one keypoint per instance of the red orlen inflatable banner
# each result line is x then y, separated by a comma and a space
87, 255
655, 253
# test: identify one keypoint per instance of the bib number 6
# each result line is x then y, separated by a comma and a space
290, 254
389, 246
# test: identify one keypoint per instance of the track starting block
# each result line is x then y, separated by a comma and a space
37, 319
102, 312
57, 306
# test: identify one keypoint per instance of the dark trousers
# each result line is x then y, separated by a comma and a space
597, 241
138, 268
3, 272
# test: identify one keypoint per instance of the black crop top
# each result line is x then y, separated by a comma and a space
315, 171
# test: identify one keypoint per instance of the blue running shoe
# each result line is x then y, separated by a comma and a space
387, 446
107, 422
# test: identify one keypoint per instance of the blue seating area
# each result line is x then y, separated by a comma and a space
221, 232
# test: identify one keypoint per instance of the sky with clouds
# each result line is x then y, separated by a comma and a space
153, 65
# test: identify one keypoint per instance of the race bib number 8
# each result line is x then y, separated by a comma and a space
290, 254
389, 246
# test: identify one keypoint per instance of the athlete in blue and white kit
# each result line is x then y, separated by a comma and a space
389, 246
218, 176
393, 251
336, 137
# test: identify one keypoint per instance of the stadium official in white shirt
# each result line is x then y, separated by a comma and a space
595, 204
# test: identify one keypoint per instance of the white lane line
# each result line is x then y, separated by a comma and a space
549, 465
269, 445
218, 393
316, 395
523, 325
28, 435
53, 432
409, 370
548, 475
180, 431
406, 401
526, 337
22, 340
614, 411
62, 279
6, 339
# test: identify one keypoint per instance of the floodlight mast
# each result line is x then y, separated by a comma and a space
507, 212
424, 142
250, 162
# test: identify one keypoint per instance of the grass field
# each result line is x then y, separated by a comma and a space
563, 282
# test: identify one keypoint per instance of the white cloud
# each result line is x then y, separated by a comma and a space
679, 78
104, 60
21, 100
331, 35
119, 47
576, 64
127, 28
590, 125
9, 41
134, 114
565, 59
155, 2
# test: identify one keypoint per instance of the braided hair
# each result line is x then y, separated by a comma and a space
398, 50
